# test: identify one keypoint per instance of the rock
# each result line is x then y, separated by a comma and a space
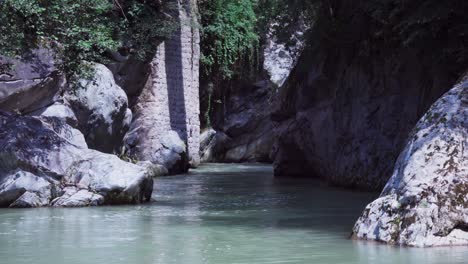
29, 83
101, 108
279, 60
169, 151
60, 110
345, 119
24, 189
43, 163
425, 202
213, 145
74, 197
130, 74
244, 131
156, 169
72, 135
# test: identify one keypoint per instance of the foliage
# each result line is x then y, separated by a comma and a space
228, 36
432, 27
80, 30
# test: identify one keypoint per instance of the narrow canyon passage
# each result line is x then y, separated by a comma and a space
218, 213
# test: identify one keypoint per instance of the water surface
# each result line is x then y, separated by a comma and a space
219, 214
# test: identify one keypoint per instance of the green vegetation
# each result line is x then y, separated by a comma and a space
232, 30
229, 36
81, 30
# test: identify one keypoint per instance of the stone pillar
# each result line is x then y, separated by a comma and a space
166, 126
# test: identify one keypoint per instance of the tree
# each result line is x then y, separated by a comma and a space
82, 30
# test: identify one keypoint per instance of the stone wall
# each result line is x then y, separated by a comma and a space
168, 106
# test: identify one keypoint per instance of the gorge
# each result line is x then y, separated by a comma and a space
281, 120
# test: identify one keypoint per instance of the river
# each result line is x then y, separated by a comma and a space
217, 214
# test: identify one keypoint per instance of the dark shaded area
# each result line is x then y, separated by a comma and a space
174, 66
358, 90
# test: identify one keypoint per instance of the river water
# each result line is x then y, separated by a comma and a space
218, 214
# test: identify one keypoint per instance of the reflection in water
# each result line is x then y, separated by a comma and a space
218, 214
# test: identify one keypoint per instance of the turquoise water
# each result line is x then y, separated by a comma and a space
218, 214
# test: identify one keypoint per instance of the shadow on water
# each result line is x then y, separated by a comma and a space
252, 197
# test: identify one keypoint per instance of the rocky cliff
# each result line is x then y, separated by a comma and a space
356, 93
240, 109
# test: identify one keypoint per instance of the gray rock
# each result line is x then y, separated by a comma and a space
60, 110
345, 119
245, 131
42, 162
74, 197
24, 189
29, 83
101, 108
213, 146
279, 60
425, 202
157, 169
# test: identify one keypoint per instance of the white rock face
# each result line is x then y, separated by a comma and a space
45, 162
279, 59
101, 108
425, 203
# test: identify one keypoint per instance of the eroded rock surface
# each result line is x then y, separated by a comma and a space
101, 108
29, 83
425, 203
45, 162
245, 131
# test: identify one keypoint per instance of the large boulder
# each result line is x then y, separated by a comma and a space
45, 162
168, 151
425, 202
213, 145
101, 108
30, 82
60, 109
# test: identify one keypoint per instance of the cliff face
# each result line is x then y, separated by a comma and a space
245, 132
346, 111
242, 128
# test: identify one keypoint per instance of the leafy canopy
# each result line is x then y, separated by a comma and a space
229, 34
81, 30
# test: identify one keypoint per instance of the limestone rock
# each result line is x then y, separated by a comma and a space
279, 59
425, 202
245, 131
101, 108
29, 83
43, 161
60, 110
213, 145
345, 119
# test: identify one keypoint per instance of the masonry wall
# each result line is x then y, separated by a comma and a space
170, 99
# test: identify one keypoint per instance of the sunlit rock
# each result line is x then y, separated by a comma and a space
101, 108
44, 161
425, 203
